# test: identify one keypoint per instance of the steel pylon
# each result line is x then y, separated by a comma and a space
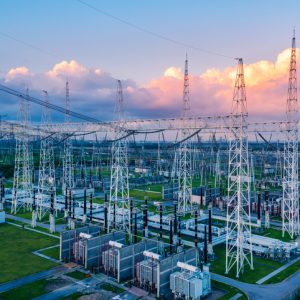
290, 199
238, 234
46, 182
119, 213
22, 186
68, 167
184, 157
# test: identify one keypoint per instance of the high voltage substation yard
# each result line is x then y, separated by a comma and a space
165, 206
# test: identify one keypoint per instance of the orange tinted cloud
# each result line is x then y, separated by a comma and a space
65, 68
16, 72
211, 92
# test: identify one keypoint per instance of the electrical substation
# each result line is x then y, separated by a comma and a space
158, 204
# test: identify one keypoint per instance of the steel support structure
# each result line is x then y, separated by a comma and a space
22, 185
238, 229
46, 182
290, 199
185, 154
119, 186
68, 167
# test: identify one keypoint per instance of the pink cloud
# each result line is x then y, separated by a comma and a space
66, 69
210, 92
16, 72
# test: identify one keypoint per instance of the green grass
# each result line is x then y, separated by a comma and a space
45, 219
15, 221
74, 296
52, 252
27, 215
139, 194
16, 255
29, 226
285, 273
230, 290
37, 227
98, 200
77, 275
151, 187
59, 219
45, 230
112, 288
23, 214
27, 291
262, 267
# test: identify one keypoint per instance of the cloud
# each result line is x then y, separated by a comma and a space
211, 92
16, 72
173, 72
66, 69
92, 90
256, 73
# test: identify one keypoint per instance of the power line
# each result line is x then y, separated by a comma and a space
155, 34
49, 105
29, 45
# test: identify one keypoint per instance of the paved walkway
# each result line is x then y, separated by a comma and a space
70, 289
236, 296
276, 291
264, 279
58, 227
46, 257
31, 278
61, 293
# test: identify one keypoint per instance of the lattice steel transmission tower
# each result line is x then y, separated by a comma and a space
290, 205
22, 186
68, 168
238, 235
185, 153
119, 186
82, 164
46, 183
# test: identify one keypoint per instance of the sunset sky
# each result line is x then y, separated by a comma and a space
144, 43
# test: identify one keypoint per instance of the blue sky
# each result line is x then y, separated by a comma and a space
69, 30
251, 29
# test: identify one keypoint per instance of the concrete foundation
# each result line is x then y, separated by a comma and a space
34, 218
52, 223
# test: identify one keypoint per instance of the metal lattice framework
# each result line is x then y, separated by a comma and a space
185, 154
22, 186
68, 168
119, 186
290, 205
46, 183
238, 235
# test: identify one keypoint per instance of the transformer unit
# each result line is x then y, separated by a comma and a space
110, 257
146, 271
79, 246
190, 282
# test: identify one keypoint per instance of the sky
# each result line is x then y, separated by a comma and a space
144, 44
